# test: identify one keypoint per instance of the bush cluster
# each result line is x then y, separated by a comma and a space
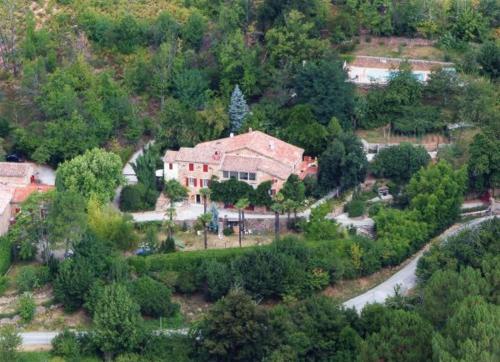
355, 208
137, 198
289, 267
5, 254
30, 277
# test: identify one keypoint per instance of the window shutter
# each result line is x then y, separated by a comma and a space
187, 181
205, 168
195, 183
201, 182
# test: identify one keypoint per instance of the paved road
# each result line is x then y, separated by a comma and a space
406, 277
45, 338
37, 338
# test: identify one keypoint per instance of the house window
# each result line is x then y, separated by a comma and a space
233, 174
205, 168
243, 175
192, 181
205, 182
252, 176
170, 166
191, 167
225, 174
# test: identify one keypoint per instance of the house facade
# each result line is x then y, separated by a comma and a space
366, 70
252, 157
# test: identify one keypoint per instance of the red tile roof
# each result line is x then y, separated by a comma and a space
22, 193
278, 157
364, 61
14, 169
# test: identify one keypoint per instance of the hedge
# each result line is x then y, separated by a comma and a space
5, 254
183, 261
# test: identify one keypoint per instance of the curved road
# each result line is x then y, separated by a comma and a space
406, 277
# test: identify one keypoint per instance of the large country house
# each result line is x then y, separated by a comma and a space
252, 157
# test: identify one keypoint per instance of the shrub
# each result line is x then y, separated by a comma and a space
9, 342
131, 197
218, 279
5, 254
26, 307
31, 277
137, 198
66, 345
228, 231
400, 163
168, 246
355, 208
375, 208
4, 284
153, 297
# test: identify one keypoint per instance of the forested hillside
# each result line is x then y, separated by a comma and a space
81, 73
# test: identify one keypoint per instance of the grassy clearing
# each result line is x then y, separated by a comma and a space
398, 48
381, 135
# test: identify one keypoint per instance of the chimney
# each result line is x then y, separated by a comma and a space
271, 145
231, 135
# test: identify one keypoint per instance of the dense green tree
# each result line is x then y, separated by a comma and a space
343, 164
437, 193
230, 191
162, 65
164, 29
293, 42
74, 280
322, 84
234, 329
484, 162
211, 121
239, 64
116, 322
190, 86
96, 173
30, 232
314, 329
400, 232
67, 218
145, 167
194, 29
489, 59
304, 131
446, 289
262, 195
111, 226
471, 333
477, 104
399, 104
10, 340
218, 279
294, 189
404, 336
153, 297
399, 163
